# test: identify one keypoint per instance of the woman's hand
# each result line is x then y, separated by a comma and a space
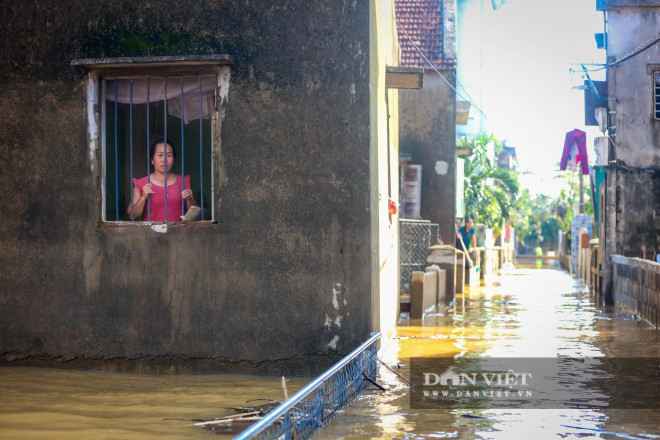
146, 190
187, 194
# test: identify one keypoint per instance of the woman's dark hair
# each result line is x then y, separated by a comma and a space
160, 140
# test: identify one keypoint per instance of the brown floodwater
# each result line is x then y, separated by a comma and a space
524, 313
40, 403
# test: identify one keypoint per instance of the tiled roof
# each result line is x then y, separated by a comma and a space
423, 22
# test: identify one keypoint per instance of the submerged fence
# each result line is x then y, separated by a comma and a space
416, 236
311, 407
637, 286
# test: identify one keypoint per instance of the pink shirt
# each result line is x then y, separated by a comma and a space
154, 210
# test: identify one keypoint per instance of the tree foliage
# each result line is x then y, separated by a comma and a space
490, 191
492, 195
539, 218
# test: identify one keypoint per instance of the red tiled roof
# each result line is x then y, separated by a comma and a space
423, 22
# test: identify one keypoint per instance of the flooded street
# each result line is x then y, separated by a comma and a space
61, 404
523, 314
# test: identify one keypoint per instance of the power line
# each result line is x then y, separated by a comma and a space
650, 42
465, 90
436, 70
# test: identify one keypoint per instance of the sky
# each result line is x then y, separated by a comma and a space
530, 62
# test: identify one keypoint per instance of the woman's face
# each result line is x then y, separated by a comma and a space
159, 160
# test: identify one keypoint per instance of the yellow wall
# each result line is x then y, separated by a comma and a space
384, 51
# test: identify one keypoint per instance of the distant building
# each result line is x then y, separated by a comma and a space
427, 117
507, 158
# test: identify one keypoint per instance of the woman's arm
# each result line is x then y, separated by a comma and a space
187, 194
139, 200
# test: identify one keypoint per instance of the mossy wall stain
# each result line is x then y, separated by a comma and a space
139, 41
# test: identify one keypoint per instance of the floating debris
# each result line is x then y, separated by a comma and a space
242, 417
235, 423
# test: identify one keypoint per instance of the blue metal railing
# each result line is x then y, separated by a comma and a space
311, 407
165, 146
183, 150
116, 154
148, 152
131, 147
201, 174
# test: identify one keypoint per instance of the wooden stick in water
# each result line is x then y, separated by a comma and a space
286, 391
396, 372
373, 382
228, 421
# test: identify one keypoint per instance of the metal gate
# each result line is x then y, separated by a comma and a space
416, 236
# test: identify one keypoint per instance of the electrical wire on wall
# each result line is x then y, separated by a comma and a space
650, 42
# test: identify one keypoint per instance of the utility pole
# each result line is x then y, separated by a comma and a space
581, 191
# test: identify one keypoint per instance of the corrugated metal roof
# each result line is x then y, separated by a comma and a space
423, 22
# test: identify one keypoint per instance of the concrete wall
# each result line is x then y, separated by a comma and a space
447, 258
638, 219
630, 212
428, 132
631, 83
637, 287
427, 291
284, 278
608, 4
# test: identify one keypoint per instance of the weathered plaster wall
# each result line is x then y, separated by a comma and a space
631, 216
427, 121
638, 213
606, 4
631, 84
284, 276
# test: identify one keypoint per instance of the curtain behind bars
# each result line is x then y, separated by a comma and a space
191, 88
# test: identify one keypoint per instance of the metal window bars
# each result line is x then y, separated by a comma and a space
191, 93
416, 236
310, 408
656, 95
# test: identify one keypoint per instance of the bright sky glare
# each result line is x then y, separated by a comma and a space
529, 47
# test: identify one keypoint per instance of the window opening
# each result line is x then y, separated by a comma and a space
137, 108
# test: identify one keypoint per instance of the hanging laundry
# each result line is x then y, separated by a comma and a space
575, 151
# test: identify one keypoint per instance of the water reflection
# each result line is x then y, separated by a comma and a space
55, 404
524, 314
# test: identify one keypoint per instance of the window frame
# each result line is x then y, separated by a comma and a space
100, 69
652, 70
656, 94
